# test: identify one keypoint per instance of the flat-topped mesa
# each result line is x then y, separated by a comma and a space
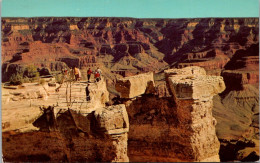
133, 86
193, 94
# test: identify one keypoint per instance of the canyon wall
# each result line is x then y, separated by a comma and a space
125, 45
88, 132
177, 128
142, 127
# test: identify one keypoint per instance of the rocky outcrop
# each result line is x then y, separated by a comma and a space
113, 120
82, 131
130, 87
236, 79
177, 128
193, 70
128, 46
210, 43
76, 137
196, 87
193, 95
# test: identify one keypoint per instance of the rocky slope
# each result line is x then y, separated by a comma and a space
176, 128
126, 45
88, 132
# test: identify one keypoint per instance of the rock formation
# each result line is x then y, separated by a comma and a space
173, 128
87, 132
130, 87
184, 130
127, 44
193, 95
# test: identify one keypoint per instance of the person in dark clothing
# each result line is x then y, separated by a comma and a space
89, 73
87, 93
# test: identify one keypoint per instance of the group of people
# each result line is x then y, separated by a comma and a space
75, 72
97, 77
97, 74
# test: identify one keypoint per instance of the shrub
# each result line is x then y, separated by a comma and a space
26, 80
16, 79
31, 72
42, 81
59, 78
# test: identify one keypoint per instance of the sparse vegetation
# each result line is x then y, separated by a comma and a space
26, 80
29, 74
59, 78
42, 81
16, 79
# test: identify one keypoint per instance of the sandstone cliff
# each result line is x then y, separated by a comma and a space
83, 131
127, 45
177, 128
130, 87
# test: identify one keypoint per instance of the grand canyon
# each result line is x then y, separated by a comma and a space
172, 90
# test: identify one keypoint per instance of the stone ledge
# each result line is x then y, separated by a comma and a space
196, 86
133, 86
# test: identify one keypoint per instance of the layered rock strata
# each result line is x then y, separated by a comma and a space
126, 45
130, 87
177, 128
86, 132
194, 99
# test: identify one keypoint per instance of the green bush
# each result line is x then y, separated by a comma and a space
59, 78
16, 79
31, 72
42, 81
26, 80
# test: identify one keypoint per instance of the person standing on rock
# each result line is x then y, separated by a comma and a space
87, 93
89, 73
97, 76
99, 72
77, 73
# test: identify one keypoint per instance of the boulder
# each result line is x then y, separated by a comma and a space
98, 94
44, 71
133, 86
113, 119
196, 86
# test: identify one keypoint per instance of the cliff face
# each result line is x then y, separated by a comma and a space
177, 128
87, 132
142, 126
127, 44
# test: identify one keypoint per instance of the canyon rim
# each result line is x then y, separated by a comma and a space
171, 90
